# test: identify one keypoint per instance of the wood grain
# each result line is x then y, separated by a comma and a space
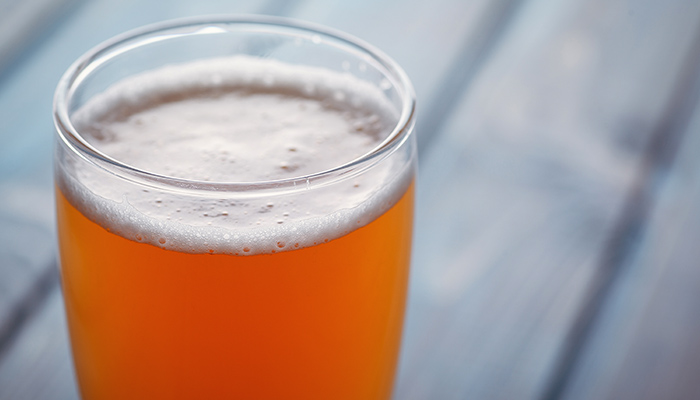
645, 345
38, 366
519, 195
23, 22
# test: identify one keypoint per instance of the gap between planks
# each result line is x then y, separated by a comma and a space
659, 155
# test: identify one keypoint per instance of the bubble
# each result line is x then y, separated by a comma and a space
161, 240
339, 96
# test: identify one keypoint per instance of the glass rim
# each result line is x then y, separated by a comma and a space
83, 66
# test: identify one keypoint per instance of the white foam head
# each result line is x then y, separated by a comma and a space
238, 119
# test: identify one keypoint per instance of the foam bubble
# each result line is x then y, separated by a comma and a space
237, 119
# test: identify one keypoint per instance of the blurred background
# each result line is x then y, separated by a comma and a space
558, 210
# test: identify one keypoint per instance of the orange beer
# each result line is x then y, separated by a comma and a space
280, 277
323, 322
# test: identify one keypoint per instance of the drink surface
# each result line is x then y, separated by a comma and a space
296, 295
237, 119
240, 132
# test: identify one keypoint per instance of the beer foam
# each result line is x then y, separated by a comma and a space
237, 119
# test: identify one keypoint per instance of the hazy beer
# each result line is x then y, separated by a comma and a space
230, 225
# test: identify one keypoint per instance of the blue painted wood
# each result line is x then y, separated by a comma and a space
519, 195
659, 154
38, 365
22, 22
645, 345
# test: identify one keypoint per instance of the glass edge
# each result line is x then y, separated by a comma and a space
68, 136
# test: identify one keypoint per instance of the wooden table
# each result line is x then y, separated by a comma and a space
558, 211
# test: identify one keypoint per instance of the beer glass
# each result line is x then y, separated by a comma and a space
235, 201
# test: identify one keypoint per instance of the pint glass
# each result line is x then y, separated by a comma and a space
234, 200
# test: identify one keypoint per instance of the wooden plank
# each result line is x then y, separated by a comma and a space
38, 366
519, 195
22, 22
26, 252
659, 154
645, 345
